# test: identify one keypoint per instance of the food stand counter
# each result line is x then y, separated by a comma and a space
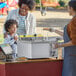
39, 67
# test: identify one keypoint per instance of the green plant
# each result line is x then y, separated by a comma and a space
57, 6
37, 1
62, 3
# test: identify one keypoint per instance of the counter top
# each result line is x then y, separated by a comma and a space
31, 61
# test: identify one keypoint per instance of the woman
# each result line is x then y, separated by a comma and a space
26, 20
69, 65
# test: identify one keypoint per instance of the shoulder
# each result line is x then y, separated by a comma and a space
72, 24
12, 14
31, 15
13, 11
74, 19
8, 36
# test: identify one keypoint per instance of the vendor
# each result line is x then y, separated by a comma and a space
69, 65
26, 20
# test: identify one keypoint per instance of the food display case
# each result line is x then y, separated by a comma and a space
37, 47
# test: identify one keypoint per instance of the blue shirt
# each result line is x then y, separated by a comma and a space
12, 42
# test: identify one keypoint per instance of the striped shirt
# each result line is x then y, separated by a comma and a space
21, 29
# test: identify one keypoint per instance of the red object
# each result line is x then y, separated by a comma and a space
52, 4
2, 71
41, 68
13, 3
4, 10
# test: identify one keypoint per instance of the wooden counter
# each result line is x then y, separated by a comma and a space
39, 67
33, 60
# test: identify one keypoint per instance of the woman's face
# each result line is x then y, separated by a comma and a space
12, 29
70, 10
24, 10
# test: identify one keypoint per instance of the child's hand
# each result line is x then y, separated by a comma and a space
16, 37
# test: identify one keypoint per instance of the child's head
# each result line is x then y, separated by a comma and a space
11, 26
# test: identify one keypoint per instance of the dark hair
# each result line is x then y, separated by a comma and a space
29, 3
9, 23
73, 4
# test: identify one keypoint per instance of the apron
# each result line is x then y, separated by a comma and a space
69, 64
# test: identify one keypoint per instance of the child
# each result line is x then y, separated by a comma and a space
11, 38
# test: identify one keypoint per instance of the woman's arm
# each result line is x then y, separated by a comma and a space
54, 30
72, 29
33, 25
59, 32
64, 44
10, 14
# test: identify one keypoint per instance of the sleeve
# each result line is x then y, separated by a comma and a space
33, 24
73, 30
8, 40
10, 15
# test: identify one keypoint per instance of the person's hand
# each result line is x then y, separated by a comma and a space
16, 37
5, 34
49, 29
55, 45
